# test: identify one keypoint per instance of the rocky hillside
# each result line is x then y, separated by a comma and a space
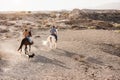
103, 15
98, 19
75, 19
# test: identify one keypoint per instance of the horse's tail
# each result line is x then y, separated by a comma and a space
22, 42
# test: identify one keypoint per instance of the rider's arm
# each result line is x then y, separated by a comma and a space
30, 34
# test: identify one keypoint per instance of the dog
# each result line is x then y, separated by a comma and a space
31, 56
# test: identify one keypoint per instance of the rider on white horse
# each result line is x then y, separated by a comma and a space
54, 32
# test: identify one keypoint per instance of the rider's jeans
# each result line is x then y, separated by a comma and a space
29, 39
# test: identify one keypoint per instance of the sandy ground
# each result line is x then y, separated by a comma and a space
80, 55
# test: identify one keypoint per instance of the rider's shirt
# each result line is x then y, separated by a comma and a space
53, 31
26, 34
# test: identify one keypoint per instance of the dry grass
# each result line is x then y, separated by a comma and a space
117, 31
116, 25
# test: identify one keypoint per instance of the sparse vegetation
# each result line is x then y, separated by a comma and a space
92, 27
116, 25
91, 19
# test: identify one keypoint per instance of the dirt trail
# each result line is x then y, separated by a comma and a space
80, 55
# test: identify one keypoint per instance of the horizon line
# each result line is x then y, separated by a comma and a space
53, 10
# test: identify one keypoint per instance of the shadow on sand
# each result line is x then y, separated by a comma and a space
113, 49
95, 61
3, 64
62, 52
46, 60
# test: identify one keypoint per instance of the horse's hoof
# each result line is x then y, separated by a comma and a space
20, 52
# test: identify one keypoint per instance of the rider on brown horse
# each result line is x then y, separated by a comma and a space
27, 34
26, 40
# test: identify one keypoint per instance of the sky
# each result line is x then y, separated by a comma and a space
37, 5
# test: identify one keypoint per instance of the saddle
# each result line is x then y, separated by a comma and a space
27, 39
54, 36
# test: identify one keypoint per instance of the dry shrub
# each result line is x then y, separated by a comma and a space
117, 31
117, 25
78, 27
92, 27
4, 30
79, 57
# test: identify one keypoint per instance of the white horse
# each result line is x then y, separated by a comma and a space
52, 42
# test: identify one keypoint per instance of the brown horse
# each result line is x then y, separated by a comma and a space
25, 42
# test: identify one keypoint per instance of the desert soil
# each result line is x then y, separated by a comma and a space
80, 55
